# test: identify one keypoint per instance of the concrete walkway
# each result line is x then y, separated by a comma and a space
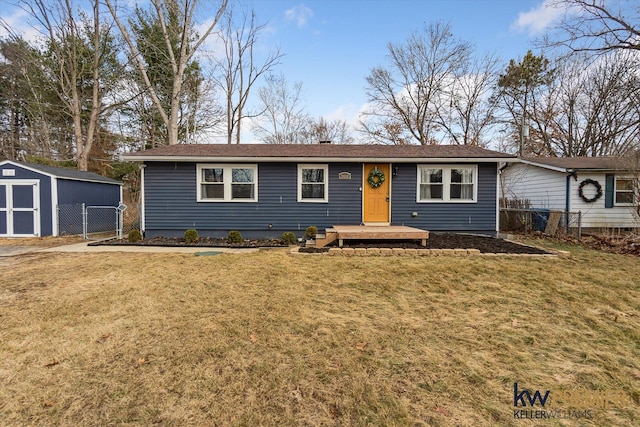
7, 251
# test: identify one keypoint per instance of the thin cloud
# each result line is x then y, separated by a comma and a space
539, 18
299, 14
17, 22
346, 112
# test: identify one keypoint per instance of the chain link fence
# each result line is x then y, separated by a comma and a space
96, 222
70, 221
550, 222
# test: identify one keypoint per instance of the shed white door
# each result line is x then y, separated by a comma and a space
19, 213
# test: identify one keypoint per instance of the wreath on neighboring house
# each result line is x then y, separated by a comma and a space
593, 182
376, 178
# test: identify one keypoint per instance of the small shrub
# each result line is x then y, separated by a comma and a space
191, 236
311, 232
234, 237
135, 236
288, 238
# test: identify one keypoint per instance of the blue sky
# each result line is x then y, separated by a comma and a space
331, 45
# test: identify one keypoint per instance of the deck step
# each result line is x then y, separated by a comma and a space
324, 239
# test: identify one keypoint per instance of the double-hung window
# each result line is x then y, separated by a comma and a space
625, 194
227, 183
447, 183
313, 183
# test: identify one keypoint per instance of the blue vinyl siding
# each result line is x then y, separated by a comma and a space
479, 217
46, 222
72, 192
171, 206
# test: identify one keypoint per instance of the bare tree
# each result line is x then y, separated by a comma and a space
77, 51
284, 119
595, 106
178, 59
240, 70
322, 130
467, 113
596, 26
408, 98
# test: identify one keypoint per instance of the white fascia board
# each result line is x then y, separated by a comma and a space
544, 166
567, 170
23, 166
319, 159
52, 176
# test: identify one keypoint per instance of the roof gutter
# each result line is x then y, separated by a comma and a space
134, 158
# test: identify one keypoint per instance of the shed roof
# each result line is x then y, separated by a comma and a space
316, 152
64, 173
568, 164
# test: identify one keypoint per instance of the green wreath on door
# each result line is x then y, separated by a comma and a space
376, 178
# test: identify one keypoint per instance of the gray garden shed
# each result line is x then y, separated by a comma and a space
31, 196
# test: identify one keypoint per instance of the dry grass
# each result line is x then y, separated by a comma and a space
47, 242
275, 339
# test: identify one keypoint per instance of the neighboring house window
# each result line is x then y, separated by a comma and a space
624, 191
445, 183
312, 183
227, 183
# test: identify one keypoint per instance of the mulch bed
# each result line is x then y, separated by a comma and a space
436, 241
202, 241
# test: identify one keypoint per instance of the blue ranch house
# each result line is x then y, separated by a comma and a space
264, 190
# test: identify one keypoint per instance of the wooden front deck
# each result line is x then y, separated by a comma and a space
364, 232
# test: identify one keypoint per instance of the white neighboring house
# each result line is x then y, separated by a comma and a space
599, 187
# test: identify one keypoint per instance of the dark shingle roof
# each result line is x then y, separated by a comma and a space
315, 151
69, 173
581, 163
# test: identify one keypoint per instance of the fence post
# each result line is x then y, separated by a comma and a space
119, 223
84, 221
579, 226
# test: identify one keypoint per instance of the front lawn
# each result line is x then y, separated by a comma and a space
275, 339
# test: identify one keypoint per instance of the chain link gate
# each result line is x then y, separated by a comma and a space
102, 222
93, 222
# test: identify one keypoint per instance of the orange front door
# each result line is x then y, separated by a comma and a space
377, 201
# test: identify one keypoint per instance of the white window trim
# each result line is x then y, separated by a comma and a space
325, 167
227, 167
615, 191
446, 182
